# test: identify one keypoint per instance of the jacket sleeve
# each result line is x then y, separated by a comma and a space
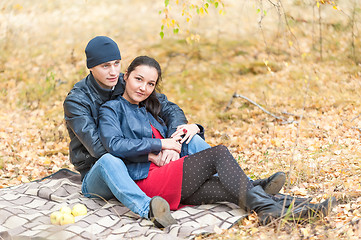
118, 144
172, 114
79, 119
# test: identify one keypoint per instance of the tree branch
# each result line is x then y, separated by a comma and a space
355, 117
235, 95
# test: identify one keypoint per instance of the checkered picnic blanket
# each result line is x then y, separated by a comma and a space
25, 212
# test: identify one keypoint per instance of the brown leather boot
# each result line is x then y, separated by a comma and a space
273, 184
159, 212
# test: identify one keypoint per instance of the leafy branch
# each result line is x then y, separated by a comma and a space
188, 10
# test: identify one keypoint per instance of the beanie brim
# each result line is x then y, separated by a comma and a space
92, 62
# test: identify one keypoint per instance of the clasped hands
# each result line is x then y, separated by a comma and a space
171, 147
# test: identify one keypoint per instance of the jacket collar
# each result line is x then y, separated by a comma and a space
127, 103
104, 94
134, 107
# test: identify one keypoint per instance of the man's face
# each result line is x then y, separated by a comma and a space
107, 74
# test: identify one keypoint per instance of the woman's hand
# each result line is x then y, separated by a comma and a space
188, 130
163, 158
172, 144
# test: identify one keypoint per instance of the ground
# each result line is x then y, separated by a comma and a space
306, 80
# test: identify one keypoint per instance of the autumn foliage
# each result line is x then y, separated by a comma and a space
299, 60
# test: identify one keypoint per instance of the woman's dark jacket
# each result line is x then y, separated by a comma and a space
126, 132
81, 108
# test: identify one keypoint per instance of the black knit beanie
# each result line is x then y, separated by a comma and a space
101, 49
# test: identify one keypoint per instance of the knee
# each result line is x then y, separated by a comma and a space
221, 148
197, 144
196, 138
108, 160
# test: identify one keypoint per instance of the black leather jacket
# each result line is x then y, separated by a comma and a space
81, 108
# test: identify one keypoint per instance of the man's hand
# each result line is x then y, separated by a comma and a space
155, 158
188, 130
169, 156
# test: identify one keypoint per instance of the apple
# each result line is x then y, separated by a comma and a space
65, 210
67, 218
79, 210
55, 217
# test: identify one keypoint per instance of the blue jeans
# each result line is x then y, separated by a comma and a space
197, 144
109, 178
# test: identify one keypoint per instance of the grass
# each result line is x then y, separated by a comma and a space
42, 57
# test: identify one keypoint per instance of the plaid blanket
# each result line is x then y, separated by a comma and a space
25, 214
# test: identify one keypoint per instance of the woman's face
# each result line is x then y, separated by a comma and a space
107, 74
140, 83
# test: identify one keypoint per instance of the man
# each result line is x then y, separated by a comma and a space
103, 174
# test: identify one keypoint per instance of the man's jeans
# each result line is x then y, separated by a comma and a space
109, 178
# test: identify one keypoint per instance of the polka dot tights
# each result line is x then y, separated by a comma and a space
200, 186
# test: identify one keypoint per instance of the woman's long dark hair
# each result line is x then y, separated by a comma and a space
152, 103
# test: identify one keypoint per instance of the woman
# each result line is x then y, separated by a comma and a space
131, 129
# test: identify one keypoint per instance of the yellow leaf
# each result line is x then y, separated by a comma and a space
201, 11
254, 230
47, 161
300, 191
318, 4
17, 7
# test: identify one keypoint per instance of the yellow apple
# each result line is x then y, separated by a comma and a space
79, 210
65, 209
67, 219
55, 217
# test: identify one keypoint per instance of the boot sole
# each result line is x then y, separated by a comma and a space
161, 212
276, 183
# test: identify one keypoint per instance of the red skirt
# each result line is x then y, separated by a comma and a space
165, 181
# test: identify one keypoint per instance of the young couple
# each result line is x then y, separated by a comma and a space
129, 142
